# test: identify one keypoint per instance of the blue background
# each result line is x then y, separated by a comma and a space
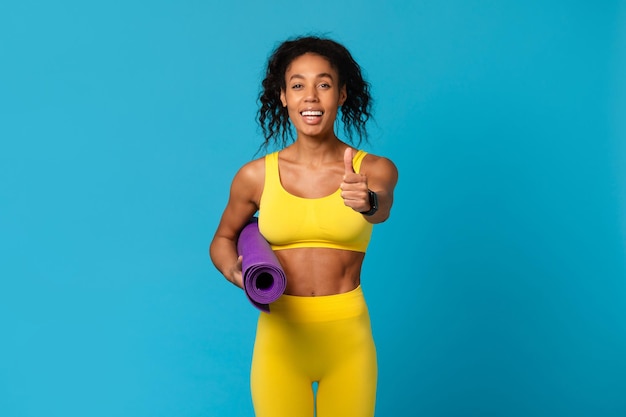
497, 288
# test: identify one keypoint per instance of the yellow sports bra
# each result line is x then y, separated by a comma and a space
288, 221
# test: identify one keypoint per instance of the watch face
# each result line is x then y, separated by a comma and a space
373, 200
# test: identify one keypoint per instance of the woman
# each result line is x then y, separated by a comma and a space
317, 200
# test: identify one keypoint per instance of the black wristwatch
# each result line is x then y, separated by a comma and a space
373, 203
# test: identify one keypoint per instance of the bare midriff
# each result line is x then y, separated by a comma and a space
320, 271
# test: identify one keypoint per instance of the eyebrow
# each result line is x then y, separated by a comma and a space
322, 75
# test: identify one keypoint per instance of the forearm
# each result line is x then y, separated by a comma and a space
223, 253
385, 201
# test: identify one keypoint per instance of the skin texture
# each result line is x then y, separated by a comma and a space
314, 166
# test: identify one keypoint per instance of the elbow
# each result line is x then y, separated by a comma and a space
213, 252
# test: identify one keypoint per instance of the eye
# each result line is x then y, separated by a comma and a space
325, 86
296, 86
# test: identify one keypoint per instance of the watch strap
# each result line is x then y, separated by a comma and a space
373, 197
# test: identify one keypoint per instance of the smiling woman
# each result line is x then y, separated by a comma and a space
355, 110
317, 200
313, 95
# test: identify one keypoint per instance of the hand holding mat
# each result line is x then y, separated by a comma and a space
264, 280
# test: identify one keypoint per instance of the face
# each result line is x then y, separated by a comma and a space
312, 95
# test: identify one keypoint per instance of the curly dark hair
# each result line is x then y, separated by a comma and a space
355, 111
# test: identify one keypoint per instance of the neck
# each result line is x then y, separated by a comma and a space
307, 149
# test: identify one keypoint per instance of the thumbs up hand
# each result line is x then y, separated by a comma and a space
354, 186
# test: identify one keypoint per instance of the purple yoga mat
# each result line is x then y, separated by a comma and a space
264, 280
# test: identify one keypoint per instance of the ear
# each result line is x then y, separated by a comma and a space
283, 99
343, 95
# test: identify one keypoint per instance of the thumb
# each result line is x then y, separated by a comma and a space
347, 161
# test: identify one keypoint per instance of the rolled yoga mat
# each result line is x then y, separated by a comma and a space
264, 280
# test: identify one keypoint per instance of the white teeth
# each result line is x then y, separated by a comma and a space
311, 113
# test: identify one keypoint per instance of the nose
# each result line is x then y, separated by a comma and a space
311, 94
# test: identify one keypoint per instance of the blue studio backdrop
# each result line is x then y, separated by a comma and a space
497, 288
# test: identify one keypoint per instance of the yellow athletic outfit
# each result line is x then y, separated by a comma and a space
323, 339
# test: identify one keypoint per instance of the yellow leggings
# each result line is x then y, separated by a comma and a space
325, 339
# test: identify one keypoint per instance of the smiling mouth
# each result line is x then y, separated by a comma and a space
312, 113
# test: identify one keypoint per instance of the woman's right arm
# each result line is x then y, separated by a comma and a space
243, 202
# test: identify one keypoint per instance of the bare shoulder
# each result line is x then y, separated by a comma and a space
249, 180
379, 167
252, 171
